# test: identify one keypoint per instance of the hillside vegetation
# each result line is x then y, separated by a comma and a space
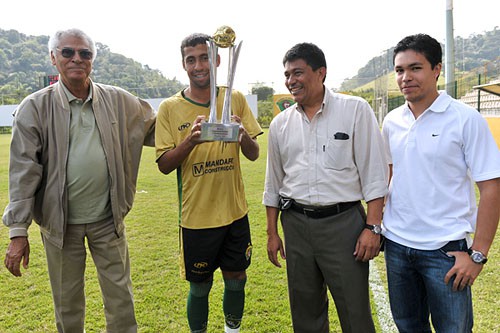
477, 53
24, 62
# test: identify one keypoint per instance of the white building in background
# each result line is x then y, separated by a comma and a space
489, 104
6, 117
6, 111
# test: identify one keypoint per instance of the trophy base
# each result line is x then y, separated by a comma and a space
219, 132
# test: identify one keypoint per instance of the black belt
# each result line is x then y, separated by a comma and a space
321, 212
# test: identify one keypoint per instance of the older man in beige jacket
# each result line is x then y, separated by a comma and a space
74, 159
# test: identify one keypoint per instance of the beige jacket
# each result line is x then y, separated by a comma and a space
39, 152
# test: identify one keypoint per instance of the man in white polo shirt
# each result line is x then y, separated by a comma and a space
437, 148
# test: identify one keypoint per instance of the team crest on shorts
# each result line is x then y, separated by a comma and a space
248, 252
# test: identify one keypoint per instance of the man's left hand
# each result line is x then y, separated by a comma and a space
465, 270
242, 130
367, 246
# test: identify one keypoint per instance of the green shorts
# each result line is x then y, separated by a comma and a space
205, 250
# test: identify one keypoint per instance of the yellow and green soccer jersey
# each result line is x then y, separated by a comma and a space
210, 185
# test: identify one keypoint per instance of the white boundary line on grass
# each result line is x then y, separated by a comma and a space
381, 301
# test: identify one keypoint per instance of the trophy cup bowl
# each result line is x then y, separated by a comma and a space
223, 130
224, 37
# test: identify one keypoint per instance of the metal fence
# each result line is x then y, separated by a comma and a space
462, 89
486, 103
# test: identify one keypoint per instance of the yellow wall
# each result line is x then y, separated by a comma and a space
281, 102
494, 124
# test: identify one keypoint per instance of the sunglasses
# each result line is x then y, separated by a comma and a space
68, 52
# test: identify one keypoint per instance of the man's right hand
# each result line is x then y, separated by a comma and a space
195, 137
275, 245
19, 249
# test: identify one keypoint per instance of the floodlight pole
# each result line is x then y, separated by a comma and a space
449, 52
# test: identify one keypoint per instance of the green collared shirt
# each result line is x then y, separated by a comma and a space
87, 171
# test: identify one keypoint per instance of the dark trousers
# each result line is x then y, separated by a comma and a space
320, 256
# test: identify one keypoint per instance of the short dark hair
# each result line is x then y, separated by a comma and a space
193, 40
310, 53
421, 43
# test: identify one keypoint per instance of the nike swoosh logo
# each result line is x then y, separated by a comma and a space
435, 135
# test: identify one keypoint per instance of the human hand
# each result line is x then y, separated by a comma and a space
195, 136
236, 119
367, 246
275, 245
19, 249
465, 270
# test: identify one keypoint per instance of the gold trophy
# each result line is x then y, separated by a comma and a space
223, 129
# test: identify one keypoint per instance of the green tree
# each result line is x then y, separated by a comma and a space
265, 112
24, 62
263, 93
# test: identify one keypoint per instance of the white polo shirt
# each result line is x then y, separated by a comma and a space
436, 160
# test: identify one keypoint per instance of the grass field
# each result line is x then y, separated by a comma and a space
160, 294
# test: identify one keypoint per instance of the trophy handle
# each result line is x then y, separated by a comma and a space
234, 52
212, 59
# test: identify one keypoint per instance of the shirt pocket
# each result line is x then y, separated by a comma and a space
338, 152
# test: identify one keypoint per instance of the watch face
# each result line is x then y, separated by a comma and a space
478, 257
375, 228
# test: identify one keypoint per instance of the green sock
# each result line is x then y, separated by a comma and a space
197, 306
234, 302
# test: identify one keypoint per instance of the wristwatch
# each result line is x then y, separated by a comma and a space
375, 228
477, 256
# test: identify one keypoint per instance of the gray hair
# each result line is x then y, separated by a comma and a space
56, 38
